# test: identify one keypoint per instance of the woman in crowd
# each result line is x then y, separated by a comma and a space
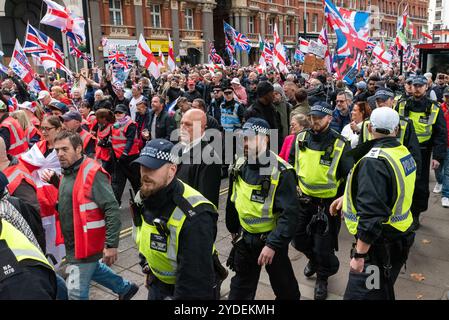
351, 131
88, 115
298, 123
40, 160
31, 133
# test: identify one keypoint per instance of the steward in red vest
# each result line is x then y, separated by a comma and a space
11, 132
90, 219
72, 121
125, 144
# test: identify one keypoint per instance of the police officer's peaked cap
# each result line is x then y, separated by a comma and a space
384, 94
156, 153
419, 80
255, 126
321, 109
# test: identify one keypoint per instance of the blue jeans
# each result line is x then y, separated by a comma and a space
80, 276
61, 292
444, 176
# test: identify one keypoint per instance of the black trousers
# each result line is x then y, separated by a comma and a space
360, 285
319, 248
280, 272
31, 283
421, 194
125, 171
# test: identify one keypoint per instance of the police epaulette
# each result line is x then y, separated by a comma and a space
339, 136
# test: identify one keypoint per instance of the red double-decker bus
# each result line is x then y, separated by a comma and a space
434, 57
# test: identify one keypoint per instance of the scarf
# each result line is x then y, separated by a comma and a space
12, 215
121, 122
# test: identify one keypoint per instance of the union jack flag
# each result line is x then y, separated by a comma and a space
37, 43
351, 29
118, 59
241, 41
229, 47
214, 57
268, 52
75, 51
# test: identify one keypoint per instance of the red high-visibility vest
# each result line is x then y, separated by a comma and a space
119, 140
30, 132
18, 143
16, 174
85, 137
89, 226
102, 153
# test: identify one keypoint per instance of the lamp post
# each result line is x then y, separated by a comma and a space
305, 18
401, 51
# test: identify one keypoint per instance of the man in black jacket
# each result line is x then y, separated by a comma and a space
264, 109
160, 124
262, 215
180, 267
430, 128
192, 93
200, 165
376, 211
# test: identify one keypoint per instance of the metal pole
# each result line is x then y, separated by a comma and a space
401, 51
87, 29
305, 18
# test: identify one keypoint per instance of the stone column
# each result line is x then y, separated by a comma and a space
138, 16
208, 28
296, 21
236, 26
281, 28
262, 18
94, 6
175, 27
244, 30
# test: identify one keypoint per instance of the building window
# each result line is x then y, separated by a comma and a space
115, 12
287, 2
251, 24
439, 3
156, 15
287, 27
271, 26
189, 19
438, 15
315, 23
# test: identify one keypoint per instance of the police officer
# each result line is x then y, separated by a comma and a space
261, 214
406, 132
321, 163
25, 272
408, 91
430, 128
176, 229
376, 207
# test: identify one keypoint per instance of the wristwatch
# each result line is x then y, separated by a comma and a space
356, 255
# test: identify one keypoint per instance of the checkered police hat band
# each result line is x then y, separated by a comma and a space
160, 155
321, 109
260, 129
385, 93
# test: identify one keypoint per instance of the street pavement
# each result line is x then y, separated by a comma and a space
426, 276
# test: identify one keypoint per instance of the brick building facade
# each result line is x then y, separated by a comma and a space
190, 24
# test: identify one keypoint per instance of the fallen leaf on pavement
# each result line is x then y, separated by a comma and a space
425, 241
419, 296
417, 276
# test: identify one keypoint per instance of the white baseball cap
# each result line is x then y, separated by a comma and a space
236, 81
43, 94
384, 119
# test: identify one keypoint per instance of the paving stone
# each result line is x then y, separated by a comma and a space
137, 278
128, 258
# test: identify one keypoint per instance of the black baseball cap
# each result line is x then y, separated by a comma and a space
156, 153
72, 115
